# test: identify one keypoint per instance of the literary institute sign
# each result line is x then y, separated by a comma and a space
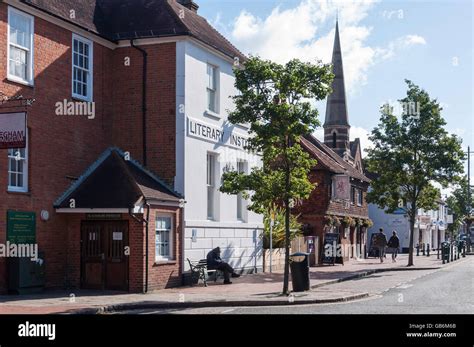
224, 136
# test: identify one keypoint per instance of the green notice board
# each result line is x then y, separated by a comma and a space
21, 227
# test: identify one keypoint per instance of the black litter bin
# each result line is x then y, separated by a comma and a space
445, 250
299, 264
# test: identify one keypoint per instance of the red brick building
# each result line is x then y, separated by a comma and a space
338, 203
100, 184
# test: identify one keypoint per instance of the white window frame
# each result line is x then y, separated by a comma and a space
90, 81
30, 51
170, 257
24, 188
211, 162
213, 111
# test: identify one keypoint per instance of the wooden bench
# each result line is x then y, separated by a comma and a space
199, 269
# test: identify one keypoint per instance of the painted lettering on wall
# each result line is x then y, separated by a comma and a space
214, 134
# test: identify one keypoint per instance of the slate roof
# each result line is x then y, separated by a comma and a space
113, 182
330, 159
133, 19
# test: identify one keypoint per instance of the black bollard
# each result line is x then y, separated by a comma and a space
437, 253
428, 250
451, 251
417, 249
423, 248
443, 254
464, 250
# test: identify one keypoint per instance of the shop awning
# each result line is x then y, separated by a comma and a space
113, 183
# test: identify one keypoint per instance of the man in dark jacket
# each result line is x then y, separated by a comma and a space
214, 262
380, 242
393, 245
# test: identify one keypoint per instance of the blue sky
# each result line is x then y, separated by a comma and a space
383, 42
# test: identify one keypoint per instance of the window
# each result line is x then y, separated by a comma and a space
360, 197
332, 189
18, 169
212, 93
334, 139
163, 238
211, 182
82, 68
20, 46
353, 195
240, 200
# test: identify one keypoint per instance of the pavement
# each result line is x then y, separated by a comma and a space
261, 289
438, 293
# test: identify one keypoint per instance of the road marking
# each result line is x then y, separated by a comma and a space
227, 311
405, 286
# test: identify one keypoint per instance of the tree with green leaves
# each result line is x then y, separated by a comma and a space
410, 154
460, 205
274, 222
275, 100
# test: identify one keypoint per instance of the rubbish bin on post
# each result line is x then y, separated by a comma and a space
299, 265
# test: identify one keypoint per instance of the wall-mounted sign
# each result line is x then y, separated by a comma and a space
342, 186
208, 132
21, 227
396, 221
425, 220
117, 236
103, 216
13, 130
449, 219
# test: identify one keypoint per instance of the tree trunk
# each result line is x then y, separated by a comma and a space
412, 232
287, 234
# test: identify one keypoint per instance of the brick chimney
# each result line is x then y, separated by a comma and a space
189, 4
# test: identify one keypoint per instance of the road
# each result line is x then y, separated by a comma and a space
445, 291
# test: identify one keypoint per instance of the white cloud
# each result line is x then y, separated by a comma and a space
297, 32
363, 135
399, 44
414, 40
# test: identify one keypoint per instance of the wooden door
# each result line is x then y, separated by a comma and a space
104, 257
116, 256
92, 255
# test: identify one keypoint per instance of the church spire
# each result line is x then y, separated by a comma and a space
336, 124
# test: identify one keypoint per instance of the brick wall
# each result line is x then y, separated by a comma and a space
161, 106
59, 146
312, 210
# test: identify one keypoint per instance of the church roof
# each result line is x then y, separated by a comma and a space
336, 107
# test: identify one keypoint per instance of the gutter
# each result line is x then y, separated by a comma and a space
144, 90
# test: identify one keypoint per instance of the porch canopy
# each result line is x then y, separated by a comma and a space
117, 184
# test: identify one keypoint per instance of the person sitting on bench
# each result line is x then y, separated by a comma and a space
214, 262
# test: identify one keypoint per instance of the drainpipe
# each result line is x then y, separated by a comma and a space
146, 221
144, 109
146, 244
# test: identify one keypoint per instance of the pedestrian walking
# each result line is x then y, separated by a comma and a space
380, 242
393, 245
